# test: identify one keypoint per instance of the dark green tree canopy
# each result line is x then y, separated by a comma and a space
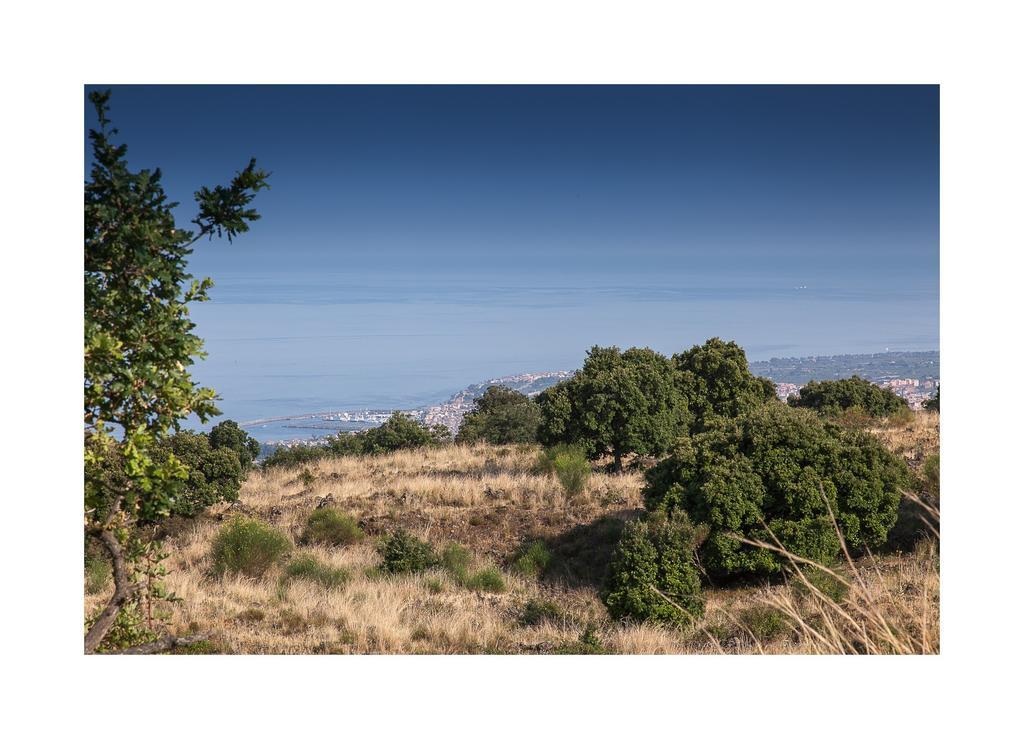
832, 397
214, 474
401, 432
716, 380
620, 402
770, 467
932, 404
500, 416
229, 435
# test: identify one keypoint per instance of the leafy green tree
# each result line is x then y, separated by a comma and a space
932, 404
500, 416
716, 380
784, 470
229, 435
214, 475
402, 432
832, 397
139, 345
620, 402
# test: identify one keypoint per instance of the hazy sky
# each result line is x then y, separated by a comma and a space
417, 239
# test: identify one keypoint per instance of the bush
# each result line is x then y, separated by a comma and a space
290, 456
402, 552
248, 547
569, 465
307, 567
764, 622
588, 643
228, 435
653, 575
932, 404
537, 612
930, 469
771, 468
831, 397
401, 432
456, 559
500, 416
488, 579
331, 527
533, 559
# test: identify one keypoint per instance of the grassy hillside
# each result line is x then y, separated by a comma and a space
493, 501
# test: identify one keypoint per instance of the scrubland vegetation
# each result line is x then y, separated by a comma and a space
476, 549
647, 504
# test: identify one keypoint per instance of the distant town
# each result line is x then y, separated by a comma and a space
913, 376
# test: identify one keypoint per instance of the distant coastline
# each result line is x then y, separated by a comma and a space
914, 375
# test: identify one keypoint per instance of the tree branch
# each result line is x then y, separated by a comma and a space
123, 589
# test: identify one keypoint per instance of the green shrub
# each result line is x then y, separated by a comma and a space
826, 584
764, 622
488, 579
533, 559
97, 574
831, 397
930, 469
500, 416
537, 612
248, 547
291, 456
456, 559
331, 527
588, 643
932, 404
901, 417
776, 467
402, 552
401, 432
569, 465
653, 575
307, 567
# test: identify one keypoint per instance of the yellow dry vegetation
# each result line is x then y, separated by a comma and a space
492, 500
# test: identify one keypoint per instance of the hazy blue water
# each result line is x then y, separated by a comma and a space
301, 343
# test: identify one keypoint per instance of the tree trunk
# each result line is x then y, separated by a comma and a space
123, 590
618, 460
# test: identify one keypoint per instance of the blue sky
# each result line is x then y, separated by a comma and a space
417, 239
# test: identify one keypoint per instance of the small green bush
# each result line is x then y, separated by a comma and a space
331, 527
402, 552
930, 469
97, 574
588, 643
533, 559
537, 612
285, 456
307, 567
248, 547
488, 579
823, 582
764, 622
456, 559
653, 575
569, 464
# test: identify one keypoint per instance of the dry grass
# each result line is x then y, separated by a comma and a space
491, 500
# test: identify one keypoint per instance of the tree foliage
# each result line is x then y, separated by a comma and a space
500, 416
777, 472
139, 341
932, 404
716, 381
228, 435
214, 474
620, 402
653, 574
832, 397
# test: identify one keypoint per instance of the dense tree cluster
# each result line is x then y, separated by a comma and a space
398, 432
779, 473
500, 416
716, 381
832, 397
620, 402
